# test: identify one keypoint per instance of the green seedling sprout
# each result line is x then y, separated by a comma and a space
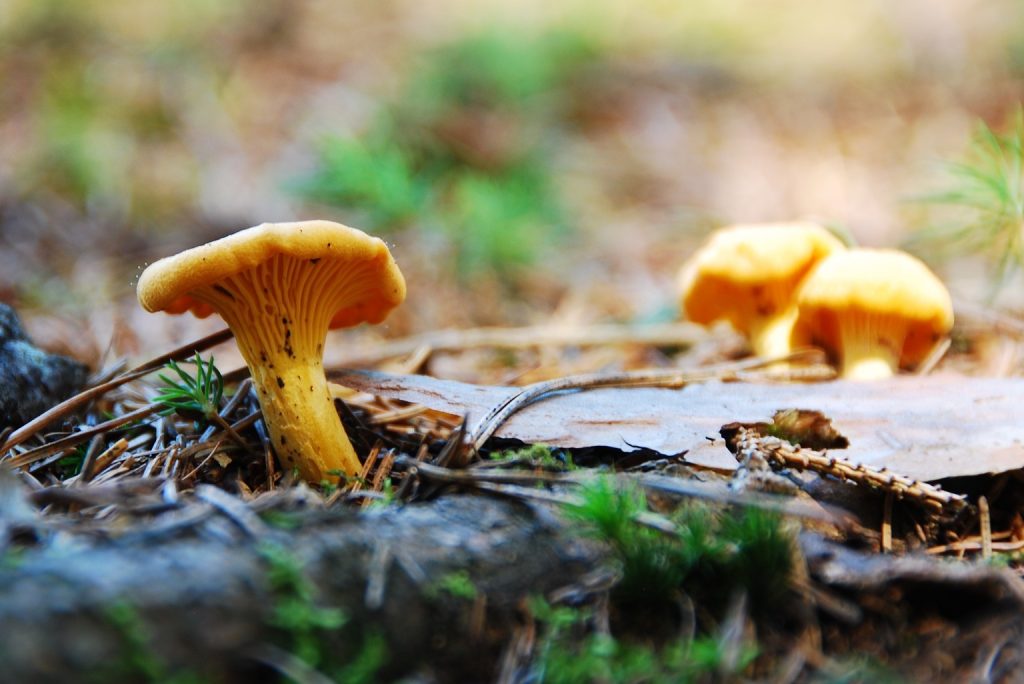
196, 397
989, 187
190, 396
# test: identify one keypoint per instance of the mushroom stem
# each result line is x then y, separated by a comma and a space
303, 424
770, 335
281, 332
867, 368
870, 352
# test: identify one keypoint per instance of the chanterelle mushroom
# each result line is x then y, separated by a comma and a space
874, 310
280, 287
748, 276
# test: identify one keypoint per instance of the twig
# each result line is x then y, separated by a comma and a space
292, 667
931, 360
675, 334
783, 505
27, 458
383, 470
70, 405
647, 519
527, 481
363, 477
96, 495
233, 508
377, 574
782, 455
105, 459
220, 418
985, 523
87, 471
887, 523
976, 545
672, 378
397, 415
989, 318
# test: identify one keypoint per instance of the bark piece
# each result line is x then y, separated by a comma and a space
31, 380
928, 619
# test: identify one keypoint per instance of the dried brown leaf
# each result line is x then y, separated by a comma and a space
927, 428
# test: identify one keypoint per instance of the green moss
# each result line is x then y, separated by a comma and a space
371, 656
137, 661
567, 656
538, 454
711, 556
295, 613
282, 520
304, 625
458, 584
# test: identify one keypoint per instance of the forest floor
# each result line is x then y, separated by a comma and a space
540, 175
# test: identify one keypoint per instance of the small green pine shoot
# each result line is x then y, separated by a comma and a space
387, 494
344, 480
988, 186
190, 396
71, 465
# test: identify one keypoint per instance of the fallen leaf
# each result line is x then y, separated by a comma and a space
927, 428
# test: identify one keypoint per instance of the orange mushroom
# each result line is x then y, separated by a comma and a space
280, 287
873, 310
748, 275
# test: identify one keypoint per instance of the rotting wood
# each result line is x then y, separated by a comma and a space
200, 594
196, 585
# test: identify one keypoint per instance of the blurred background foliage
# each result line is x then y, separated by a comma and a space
527, 160
464, 150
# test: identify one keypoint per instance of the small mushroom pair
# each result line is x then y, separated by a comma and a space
786, 285
280, 287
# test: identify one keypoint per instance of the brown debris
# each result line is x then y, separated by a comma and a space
146, 477
779, 454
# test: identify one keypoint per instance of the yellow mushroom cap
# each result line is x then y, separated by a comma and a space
167, 284
873, 302
749, 274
